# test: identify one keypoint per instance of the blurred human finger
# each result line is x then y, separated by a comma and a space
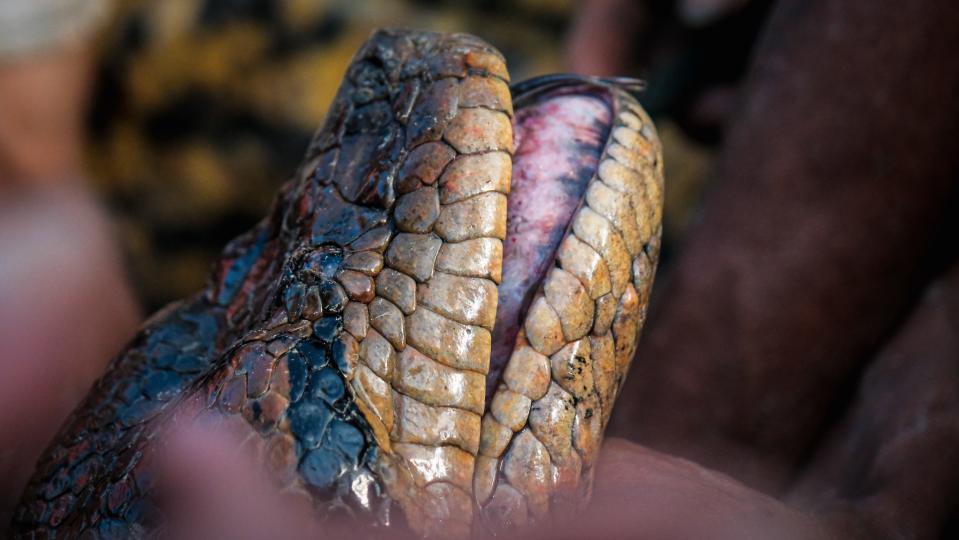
211, 488
214, 484
640, 493
65, 309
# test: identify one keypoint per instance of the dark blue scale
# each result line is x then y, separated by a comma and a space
324, 262
326, 385
334, 442
57, 484
315, 353
308, 420
333, 296
111, 528
240, 267
348, 440
296, 364
128, 392
327, 328
321, 468
293, 299
162, 385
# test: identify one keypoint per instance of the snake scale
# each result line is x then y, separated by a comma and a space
435, 317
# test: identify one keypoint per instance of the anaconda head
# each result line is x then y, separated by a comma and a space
434, 322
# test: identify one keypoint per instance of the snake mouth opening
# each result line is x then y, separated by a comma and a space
560, 129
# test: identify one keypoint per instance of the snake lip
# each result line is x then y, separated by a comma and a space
560, 128
579, 257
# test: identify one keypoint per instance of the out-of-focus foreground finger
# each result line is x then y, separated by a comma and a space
65, 309
891, 467
640, 493
215, 485
211, 488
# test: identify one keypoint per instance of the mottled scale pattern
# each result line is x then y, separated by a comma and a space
347, 338
543, 427
297, 337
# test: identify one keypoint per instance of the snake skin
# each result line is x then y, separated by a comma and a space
349, 334
544, 422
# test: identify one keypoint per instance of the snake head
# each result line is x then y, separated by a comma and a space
434, 319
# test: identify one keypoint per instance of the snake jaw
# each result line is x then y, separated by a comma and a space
576, 280
374, 338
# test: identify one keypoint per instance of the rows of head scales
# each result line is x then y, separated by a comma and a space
350, 334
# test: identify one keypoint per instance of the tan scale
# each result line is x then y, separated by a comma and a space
579, 336
426, 354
